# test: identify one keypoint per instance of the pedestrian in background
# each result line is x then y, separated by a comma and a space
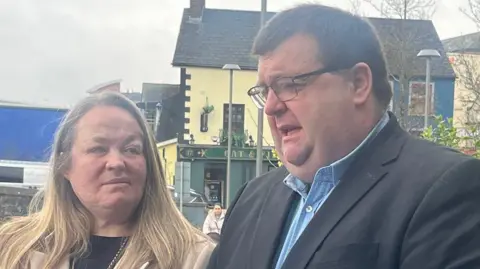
214, 222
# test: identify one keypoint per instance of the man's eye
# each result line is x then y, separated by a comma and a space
301, 81
287, 86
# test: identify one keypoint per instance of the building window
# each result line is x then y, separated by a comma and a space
417, 99
150, 116
238, 118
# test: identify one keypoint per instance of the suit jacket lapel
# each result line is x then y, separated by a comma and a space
271, 221
367, 169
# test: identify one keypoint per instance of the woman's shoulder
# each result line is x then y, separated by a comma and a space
199, 256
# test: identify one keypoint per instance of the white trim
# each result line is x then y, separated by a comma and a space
17, 105
167, 142
432, 97
10, 163
392, 87
34, 173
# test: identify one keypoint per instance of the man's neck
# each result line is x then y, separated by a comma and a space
365, 126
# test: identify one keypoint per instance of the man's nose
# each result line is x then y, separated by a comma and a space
273, 105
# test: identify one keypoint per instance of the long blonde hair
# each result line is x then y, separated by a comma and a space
60, 226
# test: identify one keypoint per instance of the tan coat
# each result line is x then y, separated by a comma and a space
197, 259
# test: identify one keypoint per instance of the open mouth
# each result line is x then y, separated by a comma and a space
289, 130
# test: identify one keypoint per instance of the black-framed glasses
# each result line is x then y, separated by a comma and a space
285, 88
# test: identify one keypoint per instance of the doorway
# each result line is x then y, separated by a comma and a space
214, 178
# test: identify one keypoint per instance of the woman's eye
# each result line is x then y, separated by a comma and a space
97, 150
136, 151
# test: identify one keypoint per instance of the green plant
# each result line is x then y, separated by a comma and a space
473, 139
444, 133
207, 109
239, 139
275, 155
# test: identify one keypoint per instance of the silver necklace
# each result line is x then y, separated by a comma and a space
119, 253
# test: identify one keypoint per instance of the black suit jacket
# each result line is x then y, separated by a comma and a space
403, 203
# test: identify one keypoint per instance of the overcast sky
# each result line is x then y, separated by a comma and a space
52, 51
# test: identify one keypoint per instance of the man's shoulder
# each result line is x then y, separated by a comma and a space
269, 179
432, 154
422, 164
257, 188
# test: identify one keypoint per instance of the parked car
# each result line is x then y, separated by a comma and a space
195, 205
193, 197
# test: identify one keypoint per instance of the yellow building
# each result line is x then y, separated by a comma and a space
462, 64
168, 156
465, 59
202, 143
210, 87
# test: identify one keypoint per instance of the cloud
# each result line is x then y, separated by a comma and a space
52, 51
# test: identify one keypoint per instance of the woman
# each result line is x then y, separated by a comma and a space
213, 222
106, 204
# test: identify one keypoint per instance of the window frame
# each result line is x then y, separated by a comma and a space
432, 99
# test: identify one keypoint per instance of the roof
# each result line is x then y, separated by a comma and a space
134, 96
167, 142
156, 92
108, 85
226, 36
2, 101
463, 43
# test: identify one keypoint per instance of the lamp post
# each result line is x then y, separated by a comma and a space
428, 55
259, 160
229, 67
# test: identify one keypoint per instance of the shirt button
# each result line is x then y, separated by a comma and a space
309, 209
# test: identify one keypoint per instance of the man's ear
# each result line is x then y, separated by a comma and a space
362, 82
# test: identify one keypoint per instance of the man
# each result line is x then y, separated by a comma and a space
356, 191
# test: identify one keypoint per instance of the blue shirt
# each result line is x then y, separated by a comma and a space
324, 182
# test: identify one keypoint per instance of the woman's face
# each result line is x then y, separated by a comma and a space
108, 168
217, 210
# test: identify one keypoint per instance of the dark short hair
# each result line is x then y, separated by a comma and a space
343, 40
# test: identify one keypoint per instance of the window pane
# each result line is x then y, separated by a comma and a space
417, 99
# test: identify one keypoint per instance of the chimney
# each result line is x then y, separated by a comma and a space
196, 9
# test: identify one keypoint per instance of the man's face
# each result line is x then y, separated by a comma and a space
217, 210
307, 128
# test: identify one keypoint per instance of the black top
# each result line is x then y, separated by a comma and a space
101, 253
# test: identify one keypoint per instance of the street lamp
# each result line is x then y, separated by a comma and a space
259, 160
428, 55
230, 67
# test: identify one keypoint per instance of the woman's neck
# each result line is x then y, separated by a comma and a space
107, 229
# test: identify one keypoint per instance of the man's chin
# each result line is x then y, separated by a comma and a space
295, 158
